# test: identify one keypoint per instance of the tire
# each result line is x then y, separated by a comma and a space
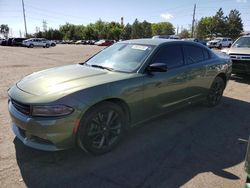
220, 46
47, 45
229, 45
101, 128
31, 46
215, 92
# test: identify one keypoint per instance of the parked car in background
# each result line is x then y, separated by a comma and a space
92, 103
165, 37
196, 40
18, 41
91, 42
81, 42
37, 42
104, 42
3, 42
161, 37
9, 41
220, 42
52, 43
240, 55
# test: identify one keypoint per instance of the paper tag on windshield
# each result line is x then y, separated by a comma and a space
139, 47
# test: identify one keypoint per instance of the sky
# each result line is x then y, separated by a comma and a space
58, 12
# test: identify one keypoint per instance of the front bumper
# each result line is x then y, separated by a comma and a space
49, 134
213, 45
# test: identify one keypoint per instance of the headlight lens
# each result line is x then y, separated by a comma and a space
53, 110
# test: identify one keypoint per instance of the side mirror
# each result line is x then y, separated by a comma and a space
157, 67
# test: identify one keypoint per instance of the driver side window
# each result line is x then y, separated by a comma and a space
171, 55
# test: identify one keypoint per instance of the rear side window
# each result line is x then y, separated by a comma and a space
171, 55
194, 54
206, 54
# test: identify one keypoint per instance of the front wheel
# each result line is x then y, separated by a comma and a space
216, 92
101, 128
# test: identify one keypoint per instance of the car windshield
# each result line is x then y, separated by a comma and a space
121, 57
243, 42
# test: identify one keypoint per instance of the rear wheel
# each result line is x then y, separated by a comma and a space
220, 46
216, 92
31, 45
101, 128
47, 45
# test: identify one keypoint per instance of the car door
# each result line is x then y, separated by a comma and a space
196, 58
164, 90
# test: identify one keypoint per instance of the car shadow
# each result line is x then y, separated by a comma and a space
245, 79
164, 152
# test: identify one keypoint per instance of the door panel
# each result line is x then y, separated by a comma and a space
162, 91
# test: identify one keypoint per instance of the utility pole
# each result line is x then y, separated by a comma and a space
192, 34
24, 18
44, 25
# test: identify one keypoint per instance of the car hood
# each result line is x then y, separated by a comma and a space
239, 51
67, 79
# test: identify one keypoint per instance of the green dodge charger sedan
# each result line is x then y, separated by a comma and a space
92, 104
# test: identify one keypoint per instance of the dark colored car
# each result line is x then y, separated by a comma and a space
18, 41
91, 104
104, 42
9, 42
4, 42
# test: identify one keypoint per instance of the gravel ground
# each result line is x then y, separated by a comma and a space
193, 147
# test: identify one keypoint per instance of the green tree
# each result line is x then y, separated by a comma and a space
137, 30
220, 23
235, 26
127, 31
163, 28
184, 33
147, 30
205, 27
4, 29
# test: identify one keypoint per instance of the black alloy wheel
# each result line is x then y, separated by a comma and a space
102, 128
216, 92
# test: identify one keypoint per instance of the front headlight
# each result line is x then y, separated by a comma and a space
53, 110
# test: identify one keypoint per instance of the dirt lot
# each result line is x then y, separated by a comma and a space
193, 147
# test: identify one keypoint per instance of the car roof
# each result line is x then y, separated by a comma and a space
158, 42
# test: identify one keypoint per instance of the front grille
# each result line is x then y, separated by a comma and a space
41, 140
23, 108
241, 65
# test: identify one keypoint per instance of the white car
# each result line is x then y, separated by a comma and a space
220, 42
37, 42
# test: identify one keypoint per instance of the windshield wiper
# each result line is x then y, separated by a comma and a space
102, 67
